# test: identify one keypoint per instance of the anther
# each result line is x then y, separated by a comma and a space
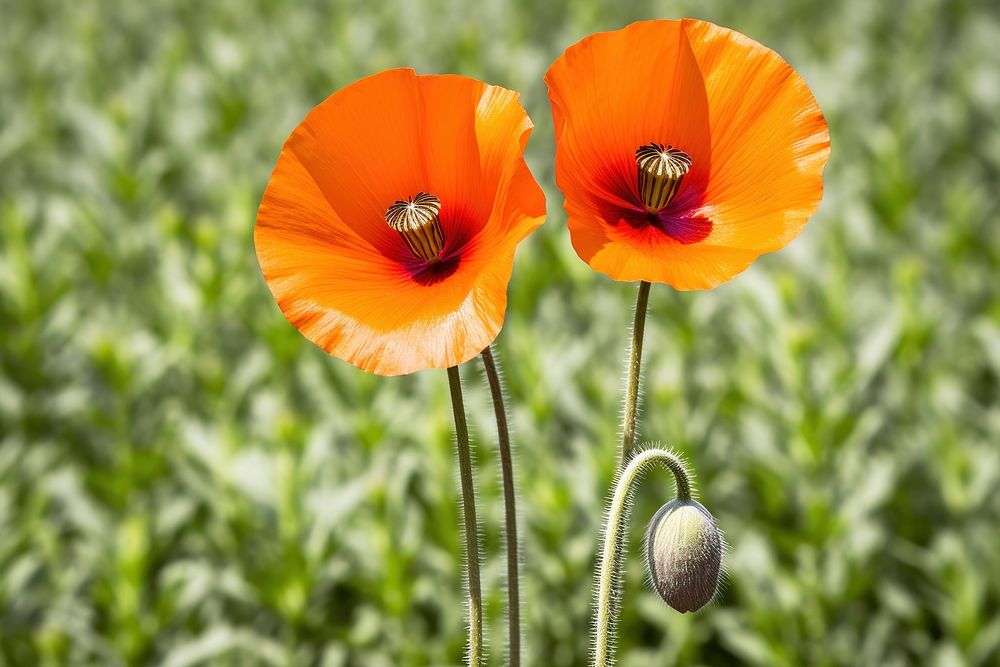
416, 220
661, 170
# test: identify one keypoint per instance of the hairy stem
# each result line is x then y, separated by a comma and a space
634, 363
510, 511
475, 649
616, 542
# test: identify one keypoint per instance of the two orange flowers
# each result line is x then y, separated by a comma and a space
388, 229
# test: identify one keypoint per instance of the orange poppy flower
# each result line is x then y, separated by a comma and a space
387, 231
684, 151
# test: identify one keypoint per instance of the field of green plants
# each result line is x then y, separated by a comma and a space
186, 481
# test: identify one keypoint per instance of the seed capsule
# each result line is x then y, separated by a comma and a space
660, 172
684, 554
416, 220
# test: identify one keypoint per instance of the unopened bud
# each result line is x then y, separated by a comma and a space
684, 554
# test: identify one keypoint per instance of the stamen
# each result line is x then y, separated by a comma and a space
661, 170
416, 220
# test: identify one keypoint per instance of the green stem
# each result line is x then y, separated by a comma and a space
475, 652
615, 542
510, 510
634, 362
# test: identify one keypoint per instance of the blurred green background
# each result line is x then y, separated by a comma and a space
185, 480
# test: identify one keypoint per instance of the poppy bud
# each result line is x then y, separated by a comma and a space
684, 554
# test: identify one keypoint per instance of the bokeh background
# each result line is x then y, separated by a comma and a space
185, 480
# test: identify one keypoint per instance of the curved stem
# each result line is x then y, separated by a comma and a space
615, 543
510, 510
475, 650
634, 362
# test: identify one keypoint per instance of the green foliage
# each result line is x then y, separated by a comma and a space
184, 480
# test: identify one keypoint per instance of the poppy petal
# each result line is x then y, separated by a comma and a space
349, 144
770, 141
630, 255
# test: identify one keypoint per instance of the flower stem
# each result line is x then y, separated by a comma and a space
510, 510
634, 362
475, 649
615, 542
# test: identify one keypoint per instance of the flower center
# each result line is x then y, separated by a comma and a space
416, 220
661, 170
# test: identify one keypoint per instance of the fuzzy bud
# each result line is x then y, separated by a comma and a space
684, 554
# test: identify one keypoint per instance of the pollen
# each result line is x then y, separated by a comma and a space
661, 170
416, 220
